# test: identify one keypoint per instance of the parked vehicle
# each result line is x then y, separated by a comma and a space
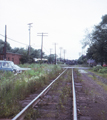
10, 66
18, 70
104, 65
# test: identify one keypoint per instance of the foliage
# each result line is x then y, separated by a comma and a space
51, 58
98, 48
82, 60
87, 41
100, 69
34, 53
97, 68
8, 47
103, 70
15, 88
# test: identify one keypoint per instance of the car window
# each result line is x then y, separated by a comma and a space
6, 65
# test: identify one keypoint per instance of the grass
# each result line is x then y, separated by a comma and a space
103, 85
15, 88
63, 91
104, 74
100, 72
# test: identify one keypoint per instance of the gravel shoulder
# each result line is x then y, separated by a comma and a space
95, 97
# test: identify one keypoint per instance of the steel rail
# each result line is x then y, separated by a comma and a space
74, 99
22, 113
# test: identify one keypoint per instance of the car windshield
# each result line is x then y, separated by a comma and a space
12, 64
16, 66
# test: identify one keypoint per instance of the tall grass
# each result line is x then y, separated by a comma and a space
14, 88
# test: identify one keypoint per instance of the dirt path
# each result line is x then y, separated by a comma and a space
95, 98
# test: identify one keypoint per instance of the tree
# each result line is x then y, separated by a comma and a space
87, 41
51, 58
98, 48
82, 60
8, 47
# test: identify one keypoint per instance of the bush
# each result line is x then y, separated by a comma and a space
103, 70
14, 88
97, 68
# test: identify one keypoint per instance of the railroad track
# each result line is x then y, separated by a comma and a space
34, 102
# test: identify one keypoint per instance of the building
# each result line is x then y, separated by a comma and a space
91, 62
11, 57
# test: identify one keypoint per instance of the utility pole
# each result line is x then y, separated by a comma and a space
64, 56
50, 55
5, 42
29, 37
42, 34
55, 53
60, 53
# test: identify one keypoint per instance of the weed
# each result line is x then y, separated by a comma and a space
94, 77
32, 114
15, 88
86, 91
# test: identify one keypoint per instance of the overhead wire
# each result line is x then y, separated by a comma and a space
14, 40
21, 42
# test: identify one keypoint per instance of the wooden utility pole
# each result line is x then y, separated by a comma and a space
42, 34
60, 53
5, 42
29, 37
55, 54
64, 55
50, 55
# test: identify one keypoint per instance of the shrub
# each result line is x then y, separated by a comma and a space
15, 88
103, 70
96, 68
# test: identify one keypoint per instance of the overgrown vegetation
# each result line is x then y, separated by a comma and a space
96, 40
100, 69
14, 88
60, 96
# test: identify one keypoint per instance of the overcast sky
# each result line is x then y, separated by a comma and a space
64, 20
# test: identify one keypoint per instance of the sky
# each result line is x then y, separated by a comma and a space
65, 21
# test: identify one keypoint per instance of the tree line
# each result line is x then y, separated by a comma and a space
97, 42
34, 53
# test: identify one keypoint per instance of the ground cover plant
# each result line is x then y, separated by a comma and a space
99, 75
99, 70
17, 87
57, 103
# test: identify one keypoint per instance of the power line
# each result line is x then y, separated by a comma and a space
18, 41
46, 50
14, 40
23, 43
